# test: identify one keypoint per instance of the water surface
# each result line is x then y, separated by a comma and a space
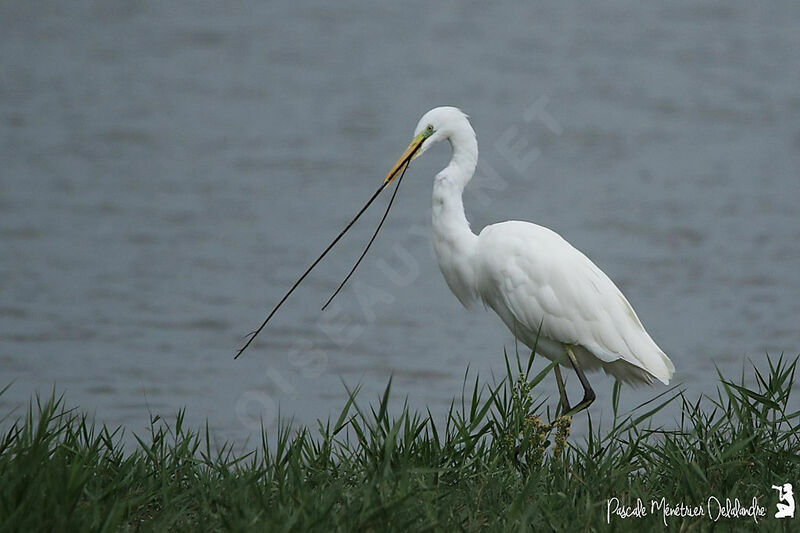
168, 169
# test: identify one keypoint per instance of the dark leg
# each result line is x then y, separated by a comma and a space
588, 393
562, 391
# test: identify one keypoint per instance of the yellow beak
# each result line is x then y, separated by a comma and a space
406, 158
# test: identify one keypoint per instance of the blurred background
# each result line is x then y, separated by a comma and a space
169, 168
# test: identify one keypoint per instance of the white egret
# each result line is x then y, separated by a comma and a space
549, 294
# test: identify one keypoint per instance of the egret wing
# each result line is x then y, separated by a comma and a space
538, 277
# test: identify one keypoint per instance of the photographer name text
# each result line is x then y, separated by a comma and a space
714, 509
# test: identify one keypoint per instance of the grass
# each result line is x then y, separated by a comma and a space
497, 462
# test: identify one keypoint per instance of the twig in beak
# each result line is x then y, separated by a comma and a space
383, 185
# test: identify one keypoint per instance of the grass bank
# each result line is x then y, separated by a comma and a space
497, 463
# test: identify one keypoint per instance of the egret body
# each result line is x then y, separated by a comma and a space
549, 294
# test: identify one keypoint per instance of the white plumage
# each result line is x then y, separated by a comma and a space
531, 277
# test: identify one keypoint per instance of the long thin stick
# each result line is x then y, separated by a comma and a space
255, 333
308, 270
372, 239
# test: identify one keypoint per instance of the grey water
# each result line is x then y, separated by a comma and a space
167, 169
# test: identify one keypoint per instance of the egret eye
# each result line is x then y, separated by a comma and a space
429, 129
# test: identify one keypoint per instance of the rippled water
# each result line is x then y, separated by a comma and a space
169, 168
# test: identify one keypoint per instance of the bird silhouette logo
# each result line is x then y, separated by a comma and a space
785, 501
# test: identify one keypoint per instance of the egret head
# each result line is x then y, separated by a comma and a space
437, 124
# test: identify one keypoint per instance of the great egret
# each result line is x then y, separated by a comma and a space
550, 295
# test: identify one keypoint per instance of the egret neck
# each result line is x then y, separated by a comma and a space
453, 240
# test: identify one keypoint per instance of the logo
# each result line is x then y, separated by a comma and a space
785, 501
